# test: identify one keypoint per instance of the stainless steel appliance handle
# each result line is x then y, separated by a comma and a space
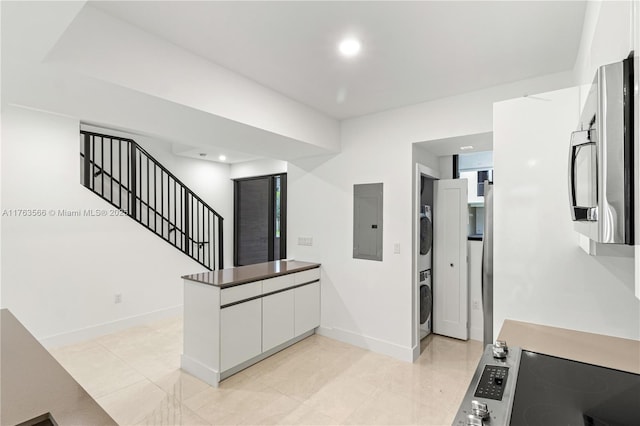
579, 139
487, 264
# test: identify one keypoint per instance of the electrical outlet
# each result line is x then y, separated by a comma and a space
396, 248
476, 305
117, 298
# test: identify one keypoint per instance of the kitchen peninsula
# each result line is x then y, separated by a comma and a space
236, 317
35, 387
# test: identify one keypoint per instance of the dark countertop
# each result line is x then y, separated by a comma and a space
34, 383
245, 274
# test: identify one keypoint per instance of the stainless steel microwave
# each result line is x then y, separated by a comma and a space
601, 158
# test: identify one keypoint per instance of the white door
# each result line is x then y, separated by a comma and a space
450, 291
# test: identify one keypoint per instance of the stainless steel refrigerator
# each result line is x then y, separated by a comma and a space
487, 264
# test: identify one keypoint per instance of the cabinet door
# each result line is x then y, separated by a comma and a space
307, 308
277, 319
240, 333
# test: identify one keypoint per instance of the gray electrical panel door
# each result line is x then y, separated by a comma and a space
367, 221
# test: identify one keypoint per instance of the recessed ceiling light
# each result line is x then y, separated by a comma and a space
222, 158
349, 47
464, 148
203, 154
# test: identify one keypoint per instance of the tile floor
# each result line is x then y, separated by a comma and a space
134, 374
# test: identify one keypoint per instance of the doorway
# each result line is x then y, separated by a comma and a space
259, 220
440, 252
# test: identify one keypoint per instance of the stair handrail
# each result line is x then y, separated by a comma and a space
137, 197
157, 163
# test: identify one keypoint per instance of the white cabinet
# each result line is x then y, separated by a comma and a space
307, 307
277, 319
229, 328
240, 333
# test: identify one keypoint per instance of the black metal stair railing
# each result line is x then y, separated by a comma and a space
121, 172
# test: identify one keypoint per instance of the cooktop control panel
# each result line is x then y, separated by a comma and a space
492, 382
489, 396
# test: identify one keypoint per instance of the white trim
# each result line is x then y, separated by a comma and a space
200, 370
415, 323
94, 331
416, 352
403, 353
475, 333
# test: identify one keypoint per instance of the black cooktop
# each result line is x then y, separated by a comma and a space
556, 391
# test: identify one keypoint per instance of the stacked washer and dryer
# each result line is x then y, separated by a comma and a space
424, 268
425, 258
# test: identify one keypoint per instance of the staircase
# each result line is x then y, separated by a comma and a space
121, 172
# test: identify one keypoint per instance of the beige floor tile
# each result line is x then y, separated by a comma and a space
171, 412
135, 375
217, 415
99, 371
271, 412
341, 397
180, 385
135, 403
152, 366
305, 415
388, 408
235, 395
299, 384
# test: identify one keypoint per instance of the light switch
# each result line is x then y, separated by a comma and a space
305, 241
396, 248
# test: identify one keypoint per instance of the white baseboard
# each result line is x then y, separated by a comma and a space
87, 333
200, 370
403, 353
476, 334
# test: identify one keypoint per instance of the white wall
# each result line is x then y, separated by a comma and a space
607, 36
257, 168
446, 166
540, 273
60, 274
365, 302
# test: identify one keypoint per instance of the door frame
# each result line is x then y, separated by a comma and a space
271, 212
430, 173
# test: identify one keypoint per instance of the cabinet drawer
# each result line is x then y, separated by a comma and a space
240, 292
306, 276
277, 283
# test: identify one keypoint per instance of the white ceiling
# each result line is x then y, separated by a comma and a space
412, 51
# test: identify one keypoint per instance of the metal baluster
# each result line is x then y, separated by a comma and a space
120, 173
220, 249
161, 202
102, 166
111, 169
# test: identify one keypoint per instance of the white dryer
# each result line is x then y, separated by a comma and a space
424, 267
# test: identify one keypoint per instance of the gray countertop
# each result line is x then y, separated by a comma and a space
34, 383
245, 274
